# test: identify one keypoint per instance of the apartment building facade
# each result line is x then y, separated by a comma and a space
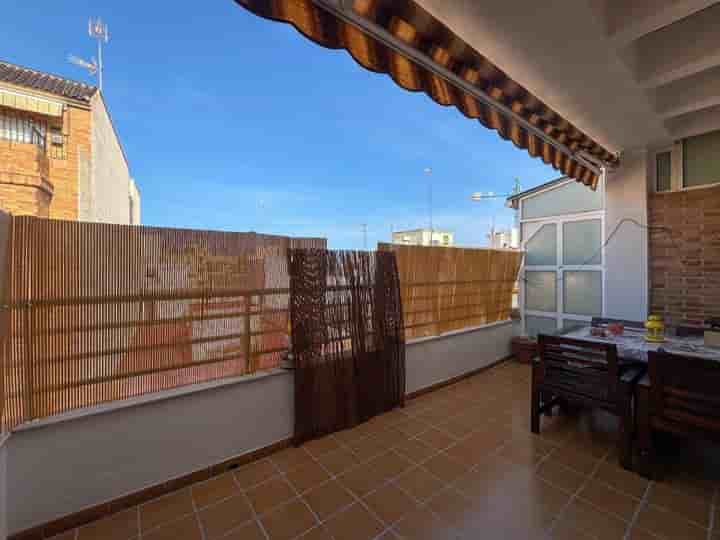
60, 155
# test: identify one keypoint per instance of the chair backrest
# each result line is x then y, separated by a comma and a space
602, 321
578, 366
687, 331
684, 392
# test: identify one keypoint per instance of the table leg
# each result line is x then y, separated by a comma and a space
627, 425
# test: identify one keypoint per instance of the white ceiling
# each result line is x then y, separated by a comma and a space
629, 73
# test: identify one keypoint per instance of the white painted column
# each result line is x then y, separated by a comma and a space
626, 254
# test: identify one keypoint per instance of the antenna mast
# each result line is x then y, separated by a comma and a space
97, 30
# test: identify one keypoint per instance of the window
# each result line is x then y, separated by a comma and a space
22, 129
542, 247
582, 241
663, 171
701, 160
446, 239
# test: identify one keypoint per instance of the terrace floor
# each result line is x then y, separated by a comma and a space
459, 462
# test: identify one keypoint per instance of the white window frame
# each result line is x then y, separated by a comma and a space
559, 220
681, 165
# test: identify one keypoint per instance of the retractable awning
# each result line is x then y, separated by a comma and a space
399, 38
29, 103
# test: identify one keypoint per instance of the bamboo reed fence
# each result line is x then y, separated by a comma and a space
97, 312
447, 288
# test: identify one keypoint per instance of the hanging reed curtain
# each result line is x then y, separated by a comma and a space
347, 337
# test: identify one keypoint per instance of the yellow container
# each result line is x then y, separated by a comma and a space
655, 329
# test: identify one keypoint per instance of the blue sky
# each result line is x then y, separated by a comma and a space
233, 122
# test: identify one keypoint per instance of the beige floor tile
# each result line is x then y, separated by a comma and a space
354, 523
255, 473
120, 526
214, 490
186, 528
167, 508
668, 525
339, 461
224, 516
249, 531
270, 494
288, 521
419, 483
307, 477
328, 499
390, 503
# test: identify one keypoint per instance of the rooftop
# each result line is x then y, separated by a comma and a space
45, 82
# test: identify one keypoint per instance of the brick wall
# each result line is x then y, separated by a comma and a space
46, 185
684, 261
24, 188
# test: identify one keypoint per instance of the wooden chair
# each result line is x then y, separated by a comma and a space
680, 395
586, 373
602, 321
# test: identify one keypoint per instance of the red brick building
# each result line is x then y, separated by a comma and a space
60, 156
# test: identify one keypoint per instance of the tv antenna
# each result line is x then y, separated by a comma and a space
97, 30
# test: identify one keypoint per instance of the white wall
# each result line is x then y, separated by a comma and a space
64, 467
433, 360
106, 198
626, 254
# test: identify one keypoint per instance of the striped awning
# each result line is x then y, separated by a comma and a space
24, 102
464, 75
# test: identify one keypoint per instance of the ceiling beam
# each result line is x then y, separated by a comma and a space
680, 50
694, 123
629, 20
694, 93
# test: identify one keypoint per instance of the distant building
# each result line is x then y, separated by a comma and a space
424, 237
504, 239
60, 156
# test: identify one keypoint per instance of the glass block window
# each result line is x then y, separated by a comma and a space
582, 292
541, 291
542, 247
540, 325
701, 161
582, 241
663, 171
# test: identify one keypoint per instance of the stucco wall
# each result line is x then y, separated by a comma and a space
626, 253
108, 198
64, 467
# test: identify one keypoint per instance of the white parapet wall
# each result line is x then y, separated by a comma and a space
64, 465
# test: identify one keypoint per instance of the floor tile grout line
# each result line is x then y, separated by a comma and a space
256, 518
576, 494
203, 536
713, 507
638, 510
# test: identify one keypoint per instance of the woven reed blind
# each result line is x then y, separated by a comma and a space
446, 288
103, 312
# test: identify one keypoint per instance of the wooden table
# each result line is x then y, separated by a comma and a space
633, 348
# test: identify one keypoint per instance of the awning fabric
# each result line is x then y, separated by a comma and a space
30, 104
408, 22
